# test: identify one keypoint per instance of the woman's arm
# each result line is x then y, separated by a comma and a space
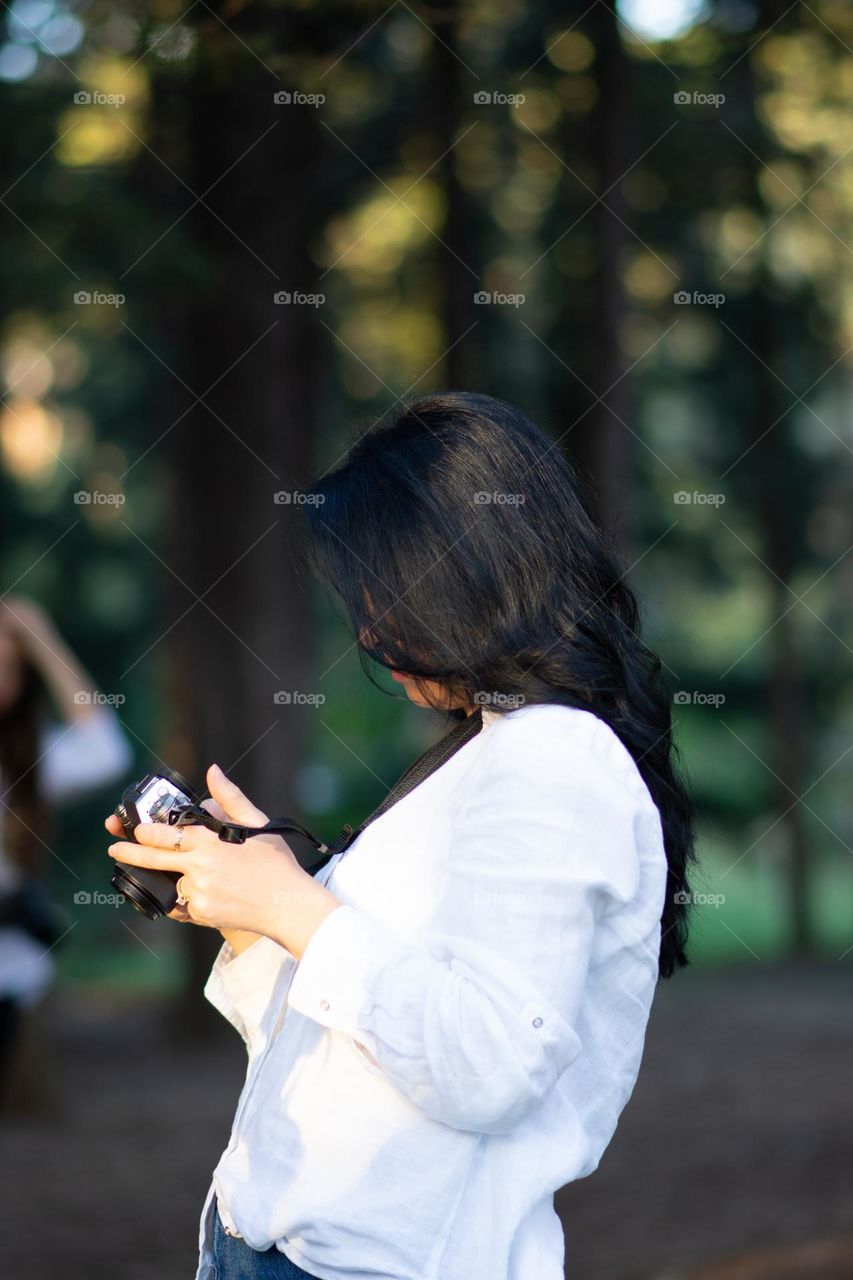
239, 939
86, 747
475, 1022
69, 685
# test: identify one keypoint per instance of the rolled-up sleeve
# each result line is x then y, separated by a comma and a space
241, 985
476, 1020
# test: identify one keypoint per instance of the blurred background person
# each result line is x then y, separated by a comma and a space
58, 739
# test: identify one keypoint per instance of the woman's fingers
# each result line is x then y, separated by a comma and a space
113, 825
160, 835
157, 846
138, 855
235, 804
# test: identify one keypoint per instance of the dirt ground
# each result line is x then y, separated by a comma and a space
738, 1138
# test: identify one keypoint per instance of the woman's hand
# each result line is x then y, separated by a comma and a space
257, 887
242, 811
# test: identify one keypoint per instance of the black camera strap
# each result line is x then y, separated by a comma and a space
431, 760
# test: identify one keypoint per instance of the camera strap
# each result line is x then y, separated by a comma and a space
431, 760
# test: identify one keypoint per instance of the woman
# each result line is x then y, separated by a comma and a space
44, 759
444, 1025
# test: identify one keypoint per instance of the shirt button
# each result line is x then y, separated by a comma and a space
324, 1004
537, 1022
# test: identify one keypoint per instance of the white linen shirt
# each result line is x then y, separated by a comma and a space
459, 1038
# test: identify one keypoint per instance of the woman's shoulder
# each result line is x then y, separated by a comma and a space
551, 738
552, 725
560, 775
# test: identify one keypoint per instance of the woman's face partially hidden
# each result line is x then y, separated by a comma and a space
416, 689
423, 693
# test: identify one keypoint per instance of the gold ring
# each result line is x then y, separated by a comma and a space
181, 901
179, 838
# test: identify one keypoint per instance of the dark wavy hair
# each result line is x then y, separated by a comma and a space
459, 541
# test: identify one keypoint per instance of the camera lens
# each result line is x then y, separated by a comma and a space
152, 893
154, 798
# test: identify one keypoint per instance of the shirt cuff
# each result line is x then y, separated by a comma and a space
333, 978
240, 985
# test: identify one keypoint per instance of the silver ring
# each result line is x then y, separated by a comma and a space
181, 900
179, 838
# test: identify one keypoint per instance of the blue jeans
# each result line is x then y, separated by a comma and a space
233, 1259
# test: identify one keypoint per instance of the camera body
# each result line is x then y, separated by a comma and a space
158, 797
165, 796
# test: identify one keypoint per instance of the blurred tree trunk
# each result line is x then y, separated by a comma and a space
778, 486
600, 442
462, 366
774, 464
256, 365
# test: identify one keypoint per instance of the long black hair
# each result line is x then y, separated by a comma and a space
460, 543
